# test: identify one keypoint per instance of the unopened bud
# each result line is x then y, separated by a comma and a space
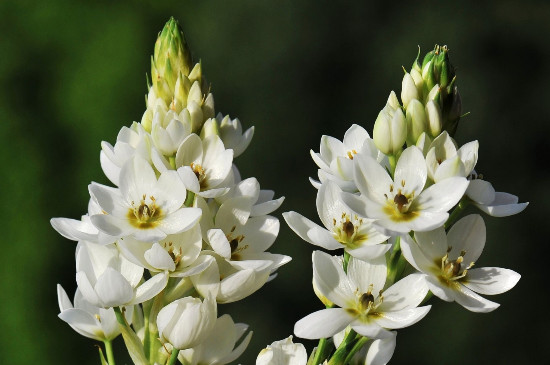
408, 90
433, 114
416, 121
390, 132
171, 58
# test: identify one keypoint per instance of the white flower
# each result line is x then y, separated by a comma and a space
88, 320
178, 254
82, 230
169, 129
133, 141
364, 305
494, 203
444, 160
283, 352
204, 165
344, 228
144, 207
446, 261
335, 158
219, 348
261, 200
107, 279
242, 240
402, 204
231, 133
187, 322
229, 284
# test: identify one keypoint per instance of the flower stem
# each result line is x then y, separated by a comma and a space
174, 356
393, 162
109, 352
361, 341
396, 264
190, 198
346, 261
320, 352
347, 345
464, 202
131, 340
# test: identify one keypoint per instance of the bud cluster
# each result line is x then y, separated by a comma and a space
179, 233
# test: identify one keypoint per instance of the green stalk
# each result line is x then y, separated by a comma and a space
190, 198
456, 212
396, 264
346, 261
338, 358
320, 352
358, 345
393, 162
151, 342
174, 356
132, 341
109, 352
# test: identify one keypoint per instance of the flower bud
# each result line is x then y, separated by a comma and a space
408, 90
433, 114
416, 121
171, 59
186, 322
389, 131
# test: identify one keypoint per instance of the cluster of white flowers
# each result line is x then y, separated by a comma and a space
178, 233
393, 204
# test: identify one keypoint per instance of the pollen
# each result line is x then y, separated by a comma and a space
146, 214
351, 154
199, 173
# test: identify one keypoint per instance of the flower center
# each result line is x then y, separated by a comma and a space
146, 214
452, 270
398, 207
368, 303
175, 255
346, 231
351, 154
199, 173
234, 244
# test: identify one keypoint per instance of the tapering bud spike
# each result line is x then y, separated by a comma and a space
171, 58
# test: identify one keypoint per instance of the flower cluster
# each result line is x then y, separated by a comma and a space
394, 204
180, 231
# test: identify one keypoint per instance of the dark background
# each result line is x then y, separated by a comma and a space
73, 73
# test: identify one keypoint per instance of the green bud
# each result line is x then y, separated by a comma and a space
171, 59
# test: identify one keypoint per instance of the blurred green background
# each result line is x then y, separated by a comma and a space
72, 73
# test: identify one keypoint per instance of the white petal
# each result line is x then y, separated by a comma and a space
371, 329
159, 258
113, 289
82, 322
322, 324
330, 279
266, 207
481, 191
490, 280
402, 318
442, 196
405, 294
219, 242
302, 227
381, 351
472, 301
62, 299
468, 234
362, 274
181, 220
371, 178
414, 255
412, 169
150, 288
504, 205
